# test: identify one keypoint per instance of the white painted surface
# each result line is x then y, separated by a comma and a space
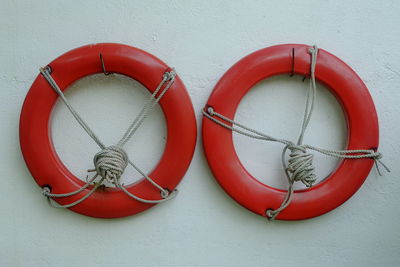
202, 226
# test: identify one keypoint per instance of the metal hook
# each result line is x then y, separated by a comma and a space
292, 72
103, 66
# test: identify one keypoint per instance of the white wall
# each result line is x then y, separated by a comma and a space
201, 39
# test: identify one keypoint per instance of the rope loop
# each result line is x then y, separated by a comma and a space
46, 191
169, 75
210, 111
377, 155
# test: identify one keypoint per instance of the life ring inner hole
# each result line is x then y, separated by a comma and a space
108, 104
275, 106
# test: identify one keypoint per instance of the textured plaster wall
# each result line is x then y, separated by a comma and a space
201, 39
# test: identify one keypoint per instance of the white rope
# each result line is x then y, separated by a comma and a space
110, 162
299, 167
46, 192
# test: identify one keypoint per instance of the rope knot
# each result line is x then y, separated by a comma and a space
301, 165
169, 75
210, 111
377, 155
110, 163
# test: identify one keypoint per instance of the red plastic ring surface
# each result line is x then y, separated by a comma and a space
46, 167
362, 123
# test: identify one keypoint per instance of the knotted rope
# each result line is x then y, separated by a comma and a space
299, 167
111, 162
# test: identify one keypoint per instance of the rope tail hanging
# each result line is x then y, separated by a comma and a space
299, 167
111, 161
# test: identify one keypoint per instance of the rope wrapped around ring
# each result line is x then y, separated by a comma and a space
111, 162
299, 167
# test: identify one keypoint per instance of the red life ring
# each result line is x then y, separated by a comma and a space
362, 121
46, 167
